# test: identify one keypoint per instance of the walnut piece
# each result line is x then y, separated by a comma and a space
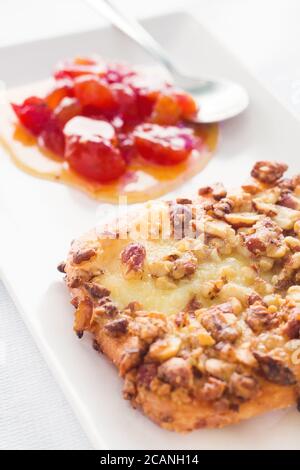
259, 318
177, 372
268, 172
243, 386
82, 256
132, 260
117, 327
274, 370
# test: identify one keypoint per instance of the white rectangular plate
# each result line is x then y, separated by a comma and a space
39, 218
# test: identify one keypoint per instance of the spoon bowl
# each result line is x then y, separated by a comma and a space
217, 99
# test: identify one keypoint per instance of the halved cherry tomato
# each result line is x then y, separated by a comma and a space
165, 145
33, 113
91, 149
63, 88
52, 137
127, 104
166, 110
186, 103
147, 90
94, 91
67, 109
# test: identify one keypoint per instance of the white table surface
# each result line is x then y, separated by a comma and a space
265, 35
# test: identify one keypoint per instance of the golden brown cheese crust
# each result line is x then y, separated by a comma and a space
204, 325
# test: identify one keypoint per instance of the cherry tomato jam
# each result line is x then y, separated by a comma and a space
110, 129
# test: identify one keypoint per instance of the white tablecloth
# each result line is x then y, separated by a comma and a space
265, 34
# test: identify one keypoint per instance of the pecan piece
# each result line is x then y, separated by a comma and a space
292, 327
287, 199
192, 305
213, 389
274, 370
268, 172
243, 386
117, 327
184, 200
259, 318
177, 372
215, 321
97, 291
81, 256
133, 258
105, 307
148, 329
184, 266
61, 267
267, 235
216, 190
223, 207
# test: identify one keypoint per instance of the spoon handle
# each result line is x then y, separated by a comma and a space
134, 30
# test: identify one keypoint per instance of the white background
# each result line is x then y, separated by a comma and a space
265, 35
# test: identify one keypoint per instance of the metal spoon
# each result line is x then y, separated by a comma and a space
217, 99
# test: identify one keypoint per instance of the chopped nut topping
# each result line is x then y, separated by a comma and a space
212, 389
117, 327
241, 219
165, 348
220, 369
243, 386
148, 329
223, 207
265, 234
160, 268
268, 172
82, 256
184, 266
177, 372
287, 199
292, 327
274, 370
218, 191
215, 321
97, 291
241, 259
259, 318
132, 259
61, 267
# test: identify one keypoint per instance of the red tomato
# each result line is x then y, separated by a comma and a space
127, 104
52, 137
165, 145
166, 110
91, 149
62, 89
94, 91
67, 109
33, 113
186, 103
